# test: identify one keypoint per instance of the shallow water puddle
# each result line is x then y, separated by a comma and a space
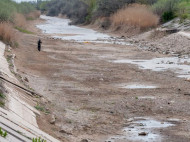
60, 29
141, 130
138, 86
181, 66
146, 97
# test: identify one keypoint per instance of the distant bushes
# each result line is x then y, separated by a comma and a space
135, 16
92, 6
86, 11
8, 8
74, 9
167, 9
12, 12
183, 10
107, 7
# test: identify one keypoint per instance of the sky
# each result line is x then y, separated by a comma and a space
23, 0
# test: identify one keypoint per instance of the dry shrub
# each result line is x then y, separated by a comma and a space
135, 15
33, 15
20, 20
7, 33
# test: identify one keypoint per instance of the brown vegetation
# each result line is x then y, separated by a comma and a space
33, 15
20, 20
135, 15
7, 34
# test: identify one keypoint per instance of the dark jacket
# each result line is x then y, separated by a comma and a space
39, 45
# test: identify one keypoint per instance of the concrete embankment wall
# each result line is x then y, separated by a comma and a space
18, 117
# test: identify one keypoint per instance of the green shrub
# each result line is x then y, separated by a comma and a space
3, 133
42, 109
2, 99
38, 140
169, 15
92, 5
2, 95
166, 9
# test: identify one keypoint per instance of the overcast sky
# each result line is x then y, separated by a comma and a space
23, 0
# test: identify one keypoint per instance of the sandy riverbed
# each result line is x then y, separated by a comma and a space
83, 85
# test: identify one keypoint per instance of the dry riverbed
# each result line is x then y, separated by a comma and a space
105, 92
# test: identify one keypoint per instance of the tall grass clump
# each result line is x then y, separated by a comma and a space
19, 20
7, 33
135, 16
33, 15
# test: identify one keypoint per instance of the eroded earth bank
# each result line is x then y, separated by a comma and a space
108, 89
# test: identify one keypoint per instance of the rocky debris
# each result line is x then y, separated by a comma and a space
187, 94
142, 134
44, 101
122, 37
172, 42
141, 124
65, 130
26, 79
84, 140
101, 79
177, 24
53, 119
187, 79
130, 119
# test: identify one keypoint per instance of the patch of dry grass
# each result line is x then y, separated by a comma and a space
33, 15
19, 20
139, 16
7, 34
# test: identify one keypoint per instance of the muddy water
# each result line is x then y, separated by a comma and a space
60, 29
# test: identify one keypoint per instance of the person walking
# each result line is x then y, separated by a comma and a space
39, 45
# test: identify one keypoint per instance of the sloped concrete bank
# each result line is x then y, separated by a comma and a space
18, 117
